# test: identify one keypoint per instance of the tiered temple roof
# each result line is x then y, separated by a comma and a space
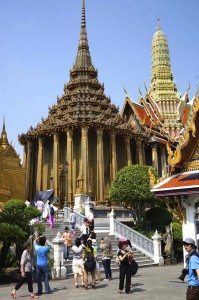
83, 102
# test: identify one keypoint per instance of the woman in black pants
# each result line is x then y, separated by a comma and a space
26, 271
125, 258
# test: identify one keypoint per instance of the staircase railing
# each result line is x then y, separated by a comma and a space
138, 240
79, 218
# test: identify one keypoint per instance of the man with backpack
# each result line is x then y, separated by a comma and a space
193, 269
89, 258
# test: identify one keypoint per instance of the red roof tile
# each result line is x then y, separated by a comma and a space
143, 114
181, 180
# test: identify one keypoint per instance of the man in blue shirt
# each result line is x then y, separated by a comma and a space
193, 269
42, 264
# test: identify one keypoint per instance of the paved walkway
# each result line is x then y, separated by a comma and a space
151, 283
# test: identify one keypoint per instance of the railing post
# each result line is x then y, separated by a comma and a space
59, 271
157, 249
66, 213
111, 219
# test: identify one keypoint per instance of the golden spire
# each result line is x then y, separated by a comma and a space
4, 139
83, 58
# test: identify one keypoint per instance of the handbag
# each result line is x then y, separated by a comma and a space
134, 267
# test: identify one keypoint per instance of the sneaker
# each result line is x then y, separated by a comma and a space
119, 292
106, 279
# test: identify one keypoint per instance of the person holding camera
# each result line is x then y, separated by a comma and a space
125, 258
192, 269
106, 248
42, 251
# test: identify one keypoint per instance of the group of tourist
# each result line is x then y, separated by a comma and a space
85, 253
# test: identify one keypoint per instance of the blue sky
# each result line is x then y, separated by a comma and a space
39, 43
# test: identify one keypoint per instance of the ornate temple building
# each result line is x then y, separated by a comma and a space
86, 132
85, 129
181, 187
162, 112
12, 174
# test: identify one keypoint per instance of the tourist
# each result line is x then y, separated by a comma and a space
106, 248
95, 247
84, 231
67, 242
90, 218
125, 258
42, 251
26, 271
72, 222
51, 214
193, 269
89, 263
78, 266
40, 206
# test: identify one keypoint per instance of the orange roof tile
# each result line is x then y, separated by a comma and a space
143, 114
186, 114
187, 179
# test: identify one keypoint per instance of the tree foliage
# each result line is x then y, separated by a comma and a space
131, 187
14, 225
158, 218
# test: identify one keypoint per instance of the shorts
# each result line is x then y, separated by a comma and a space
78, 267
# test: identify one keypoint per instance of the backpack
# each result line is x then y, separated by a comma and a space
134, 267
90, 262
52, 211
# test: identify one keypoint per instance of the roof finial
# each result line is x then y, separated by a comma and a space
83, 23
4, 127
158, 25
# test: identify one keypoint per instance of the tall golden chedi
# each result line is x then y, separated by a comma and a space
12, 174
85, 129
163, 89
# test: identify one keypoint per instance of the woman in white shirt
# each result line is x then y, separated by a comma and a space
85, 231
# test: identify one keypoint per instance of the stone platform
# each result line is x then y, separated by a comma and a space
150, 283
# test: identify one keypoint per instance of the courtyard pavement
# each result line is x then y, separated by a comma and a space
157, 283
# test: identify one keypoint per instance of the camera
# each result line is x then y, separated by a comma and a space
183, 275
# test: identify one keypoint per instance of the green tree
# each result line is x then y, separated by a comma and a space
14, 225
131, 188
158, 218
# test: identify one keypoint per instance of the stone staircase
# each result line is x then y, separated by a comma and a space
142, 260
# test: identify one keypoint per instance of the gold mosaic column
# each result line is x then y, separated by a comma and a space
56, 163
163, 161
100, 166
28, 170
113, 156
40, 164
140, 152
155, 157
84, 155
69, 158
128, 150
24, 156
